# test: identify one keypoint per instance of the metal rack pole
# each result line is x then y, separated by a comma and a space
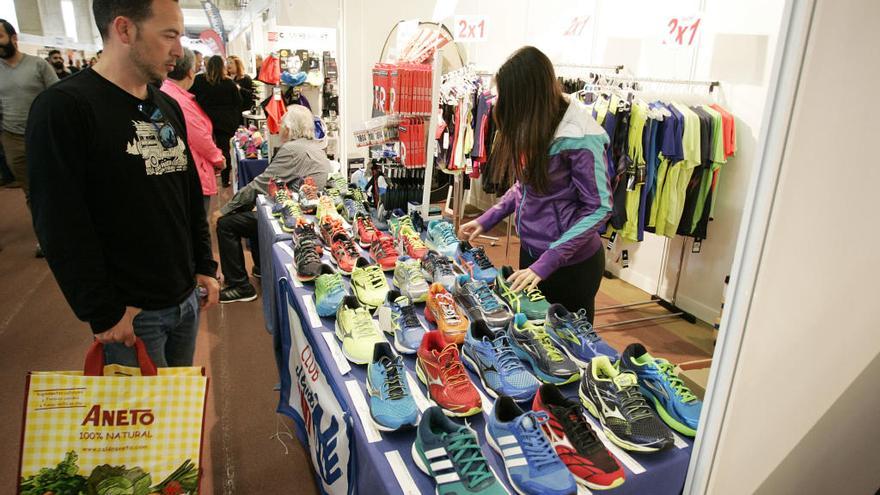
437, 67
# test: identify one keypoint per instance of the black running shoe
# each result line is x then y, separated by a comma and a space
242, 293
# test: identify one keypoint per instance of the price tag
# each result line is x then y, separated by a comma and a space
470, 28
577, 26
681, 32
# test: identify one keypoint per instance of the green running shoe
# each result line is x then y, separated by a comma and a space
450, 453
369, 284
357, 331
529, 302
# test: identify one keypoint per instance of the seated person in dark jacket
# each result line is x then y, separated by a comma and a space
299, 157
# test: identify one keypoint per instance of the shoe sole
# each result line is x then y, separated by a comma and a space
420, 463
497, 450
447, 412
240, 299
594, 411
379, 426
593, 486
669, 420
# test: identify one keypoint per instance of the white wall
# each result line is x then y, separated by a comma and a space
811, 334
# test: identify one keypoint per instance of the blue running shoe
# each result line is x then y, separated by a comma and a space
531, 463
392, 406
474, 261
329, 291
450, 453
398, 317
575, 335
677, 406
532, 344
488, 354
442, 235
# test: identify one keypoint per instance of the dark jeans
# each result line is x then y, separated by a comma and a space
5, 173
169, 334
573, 286
221, 139
231, 229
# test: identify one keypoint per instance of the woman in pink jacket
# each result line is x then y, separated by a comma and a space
199, 130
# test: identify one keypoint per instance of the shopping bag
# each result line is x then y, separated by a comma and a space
113, 430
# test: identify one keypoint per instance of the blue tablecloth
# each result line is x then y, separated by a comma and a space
269, 232
247, 170
315, 377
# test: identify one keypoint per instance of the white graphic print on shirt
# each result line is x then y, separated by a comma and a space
158, 160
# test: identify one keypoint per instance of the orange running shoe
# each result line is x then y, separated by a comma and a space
441, 310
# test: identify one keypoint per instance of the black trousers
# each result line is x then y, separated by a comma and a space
573, 286
221, 139
231, 229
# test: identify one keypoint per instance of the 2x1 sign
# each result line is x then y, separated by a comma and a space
470, 28
682, 31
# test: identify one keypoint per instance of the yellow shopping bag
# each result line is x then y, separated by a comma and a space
113, 430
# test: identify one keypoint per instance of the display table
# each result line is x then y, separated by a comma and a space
325, 395
269, 232
248, 169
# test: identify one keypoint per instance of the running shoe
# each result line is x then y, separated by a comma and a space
574, 334
307, 261
409, 279
392, 406
411, 244
677, 406
438, 268
329, 291
530, 302
338, 182
474, 260
364, 231
304, 232
357, 331
326, 208
488, 354
351, 209
368, 283
357, 194
613, 397
344, 253
334, 195
281, 197
532, 465
275, 185
450, 453
291, 213
441, 310
417, 221
399, 223
329, 228
398, 317
575, 441
442, 235
308, 196
480, 302
532, 344
439, 367
383, 253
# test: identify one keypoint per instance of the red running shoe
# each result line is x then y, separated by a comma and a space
383, 252
575, 441
365, 231
439, 367
329, 228
345, 254
413, 246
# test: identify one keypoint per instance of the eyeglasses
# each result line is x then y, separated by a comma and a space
166, 132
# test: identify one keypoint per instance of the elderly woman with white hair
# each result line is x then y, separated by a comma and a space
300, 156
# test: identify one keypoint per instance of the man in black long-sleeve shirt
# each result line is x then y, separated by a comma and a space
116, 198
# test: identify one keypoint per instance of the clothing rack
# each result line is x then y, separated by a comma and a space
616, 68
674, 310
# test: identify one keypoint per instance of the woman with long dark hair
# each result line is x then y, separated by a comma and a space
219, 97
235, 70
555, 150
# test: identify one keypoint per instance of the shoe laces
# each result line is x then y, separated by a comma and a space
451, 368
579, 432
375, 276
485, 297
480, 258
292, 209
443, 265
281, 196
544, 339
447, 305
330, 283
415, 242
363, 323
384, 246
446, 234
411, 271
534, 294
582, 327
533, 441
667, 371
408, 316
634, 403
366, 223
306, 252
466, 453
394, 387
507, 359
309, 192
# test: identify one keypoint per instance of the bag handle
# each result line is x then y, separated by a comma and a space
94, 365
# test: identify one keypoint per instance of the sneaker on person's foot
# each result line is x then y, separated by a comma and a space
242, 293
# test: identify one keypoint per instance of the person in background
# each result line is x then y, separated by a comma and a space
199, 131
219, 97
258, 62
72, 66
22, 78
299, 157
117, 200
235, 70
198, 62
561, 197
57, 62
93, 61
